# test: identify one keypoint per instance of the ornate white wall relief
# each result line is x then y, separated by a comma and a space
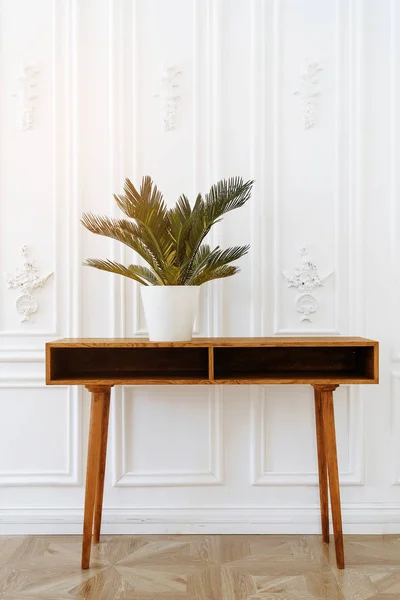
306, 278
26, 279
26, 95
168, 93
309, 90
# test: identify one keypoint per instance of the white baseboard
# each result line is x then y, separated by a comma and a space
357, 519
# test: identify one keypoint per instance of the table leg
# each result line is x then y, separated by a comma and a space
98, 505
333, 472
100, 394
322, 467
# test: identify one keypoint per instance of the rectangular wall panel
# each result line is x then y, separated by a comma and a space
37, 179
39, 435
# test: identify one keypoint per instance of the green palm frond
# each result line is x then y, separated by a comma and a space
143, 206
149, 211
113, 267
180, 220
226, 195
220, 257
208, 260
215, 273
146, 274
171, 241
126, 232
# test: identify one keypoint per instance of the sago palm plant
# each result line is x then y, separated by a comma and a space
171, 241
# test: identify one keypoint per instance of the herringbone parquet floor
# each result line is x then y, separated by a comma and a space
213, 567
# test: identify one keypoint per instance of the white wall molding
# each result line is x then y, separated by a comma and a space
69, 477
73, 253
14, 355
19, 380
213, 35
308, 90
261, 475
275, 90
365, 518
65, 209
27, 347
169, 96
305, 278
122, 159
394, 177
356, 203
300, 331
265, 30
348, 274
213, 476
394, 240
27, 280
26, 95
395, 425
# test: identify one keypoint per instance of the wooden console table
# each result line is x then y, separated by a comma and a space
323, 362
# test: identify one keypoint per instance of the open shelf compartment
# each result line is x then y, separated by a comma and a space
302, 362
129, 364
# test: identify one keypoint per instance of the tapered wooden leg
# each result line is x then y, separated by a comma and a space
98, 506
322, 467
93, 467
333, 472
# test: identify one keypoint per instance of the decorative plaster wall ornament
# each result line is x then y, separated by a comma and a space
306, 304
27, 280
26, 95
168, 94
308, 90
306, 278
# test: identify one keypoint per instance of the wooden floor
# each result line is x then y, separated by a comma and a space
230, 567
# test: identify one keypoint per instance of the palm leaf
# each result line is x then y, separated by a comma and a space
149, 211
217, 273
219, 257
226, 195
113, 267
140, 205
207, 259
181, 221
146, 274
123, 231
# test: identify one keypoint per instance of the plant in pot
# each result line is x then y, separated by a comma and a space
172, 243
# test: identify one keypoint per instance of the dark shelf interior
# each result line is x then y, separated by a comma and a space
289, 363
128, 363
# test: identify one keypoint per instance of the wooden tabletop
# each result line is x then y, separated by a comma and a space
217, 341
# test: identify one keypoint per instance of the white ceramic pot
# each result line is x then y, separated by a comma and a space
170, 311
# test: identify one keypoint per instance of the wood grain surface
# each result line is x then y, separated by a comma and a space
333, 471
217, 341
228, 361
97, 437
199, 567
322, 466
98, 505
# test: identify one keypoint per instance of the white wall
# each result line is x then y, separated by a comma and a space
232, 459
